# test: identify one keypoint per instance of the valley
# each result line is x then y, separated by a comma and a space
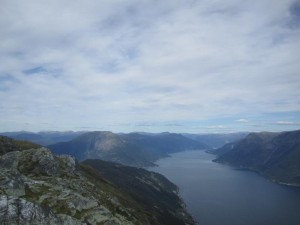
100, 178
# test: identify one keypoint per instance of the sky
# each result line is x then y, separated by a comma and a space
207, 66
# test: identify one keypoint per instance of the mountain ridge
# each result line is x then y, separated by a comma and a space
130, 149
274, 155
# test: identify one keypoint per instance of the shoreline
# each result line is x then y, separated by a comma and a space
260, 174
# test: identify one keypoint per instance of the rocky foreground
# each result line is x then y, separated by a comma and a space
38, 187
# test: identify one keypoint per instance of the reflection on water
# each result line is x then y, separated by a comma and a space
216, 194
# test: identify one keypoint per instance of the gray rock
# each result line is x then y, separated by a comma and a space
39, 162
13, 183
15, 210
39, 188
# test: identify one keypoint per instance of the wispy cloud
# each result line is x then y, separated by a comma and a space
288, 123
242, 121
102, 63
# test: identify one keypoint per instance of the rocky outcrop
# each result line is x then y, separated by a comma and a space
20, 211
37, 187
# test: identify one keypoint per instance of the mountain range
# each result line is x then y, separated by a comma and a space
40, 188
274, 155
132, 149
44, 137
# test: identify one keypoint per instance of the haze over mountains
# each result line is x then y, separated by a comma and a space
274, 155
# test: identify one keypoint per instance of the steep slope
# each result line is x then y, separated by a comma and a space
274, 155
130, 149
253, 140
153, 191
37, 187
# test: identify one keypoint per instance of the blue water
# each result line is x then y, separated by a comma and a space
216, 194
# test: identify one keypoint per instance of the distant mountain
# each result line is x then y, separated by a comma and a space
216, 140
129, 149
274, 155
39, 188
44, 137
164, 143
107, 146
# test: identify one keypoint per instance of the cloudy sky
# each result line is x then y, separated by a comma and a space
149, 65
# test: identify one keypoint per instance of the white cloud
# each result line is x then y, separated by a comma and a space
242, 121
287, 123
112, 62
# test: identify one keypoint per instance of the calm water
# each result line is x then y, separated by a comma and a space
216, 194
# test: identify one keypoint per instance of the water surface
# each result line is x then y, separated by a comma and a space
217, 194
